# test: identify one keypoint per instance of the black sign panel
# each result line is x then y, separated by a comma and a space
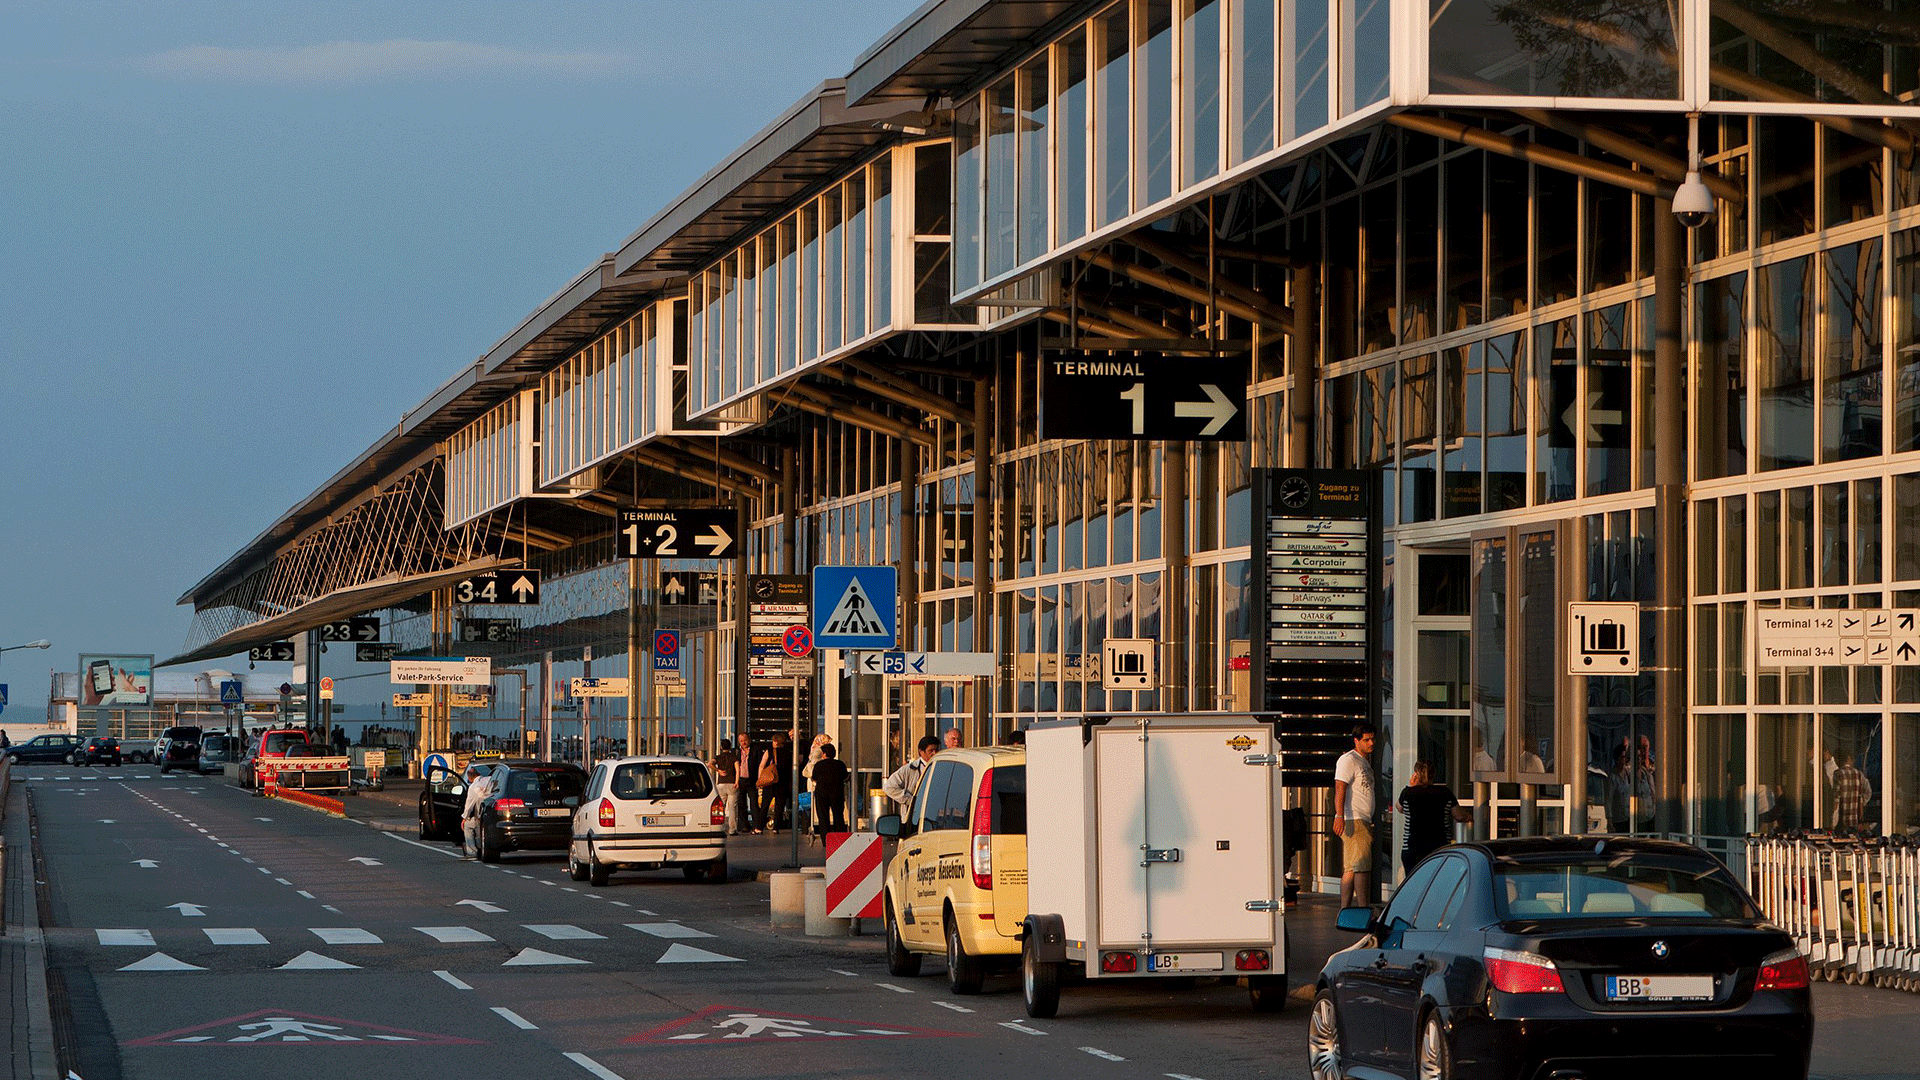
499, 587
770, 708
488, 629
1142, 396
358, 628
273, 650
377, 652
696, 587
686, 533
1318, 549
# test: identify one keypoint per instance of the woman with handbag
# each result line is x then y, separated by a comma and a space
775, 781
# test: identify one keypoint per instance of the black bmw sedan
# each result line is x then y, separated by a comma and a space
1563, 958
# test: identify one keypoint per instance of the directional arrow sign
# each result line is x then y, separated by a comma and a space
366, 861
145, 863
499, 587
1142, 396
188, 910
274, 651
480, 905
678, 533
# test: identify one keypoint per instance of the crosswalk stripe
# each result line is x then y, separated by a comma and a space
235, 935
313, 961
452, 934
125, 937
345, 935
531, 957
563, 932
667, 930
161, 962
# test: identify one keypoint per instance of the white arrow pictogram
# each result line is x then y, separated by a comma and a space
523, 588
1218, 410
480, 905
145, 863
366, 861
188, 910
716, 540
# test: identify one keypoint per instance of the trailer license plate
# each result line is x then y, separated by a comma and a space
663, 819
1168, 961
1659, 988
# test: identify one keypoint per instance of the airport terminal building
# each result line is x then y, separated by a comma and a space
1433, 242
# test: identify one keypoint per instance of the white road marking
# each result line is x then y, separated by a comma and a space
563, 932
449, 978
161, 962
262, 869
619, 903
283, 881
438, 849
644, 911
306, 894
850, 974
569, 888
313, 961
687, 954
951, 1005
235, 935
331, 908
667, 930
1099, 1053
1015, 1025
1181, 1076
895, 989
226, 845
344, 935
593, 1066
536, 957
514, 1018
125, 937
452, 934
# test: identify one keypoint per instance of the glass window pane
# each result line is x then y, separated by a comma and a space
1489, 701
1850, 371
1556, 204
1200, 91
1784, 774
1720, 763
809, 285
1463, 385
1153, 125
1112, 126
968, 177
1070, 138
1906, 343
1254, 55
1786, 179
1721, 405
1506, 424
1866, 531
1784, 364
882, 285
1367, 50
1556, 386
1842, 59
1493, 47
1307, 75
832, 238
1465, 234
1609, 412
855, 194
1002, 200
1032, 119
1419, 411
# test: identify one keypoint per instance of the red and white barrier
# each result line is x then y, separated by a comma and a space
854, 874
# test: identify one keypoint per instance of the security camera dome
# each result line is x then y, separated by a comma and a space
1692, 202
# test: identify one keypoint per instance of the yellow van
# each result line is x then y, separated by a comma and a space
957, 882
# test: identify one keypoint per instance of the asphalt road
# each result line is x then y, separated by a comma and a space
262, 924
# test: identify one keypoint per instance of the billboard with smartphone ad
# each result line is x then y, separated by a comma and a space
116, 680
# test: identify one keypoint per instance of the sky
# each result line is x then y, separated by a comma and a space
238, 240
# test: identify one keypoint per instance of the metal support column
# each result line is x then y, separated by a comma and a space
1175, 653
637, 668
1305, 367
742, 634
983, 568
546, 705
1669, 513
908, 526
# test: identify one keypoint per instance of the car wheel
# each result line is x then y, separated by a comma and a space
715, 871
1039, 982
1434, 1063
899, 960
426, 824
574, 869
597, 871
1323, 1039
964, 973
68, 760
489, 851
1267, 992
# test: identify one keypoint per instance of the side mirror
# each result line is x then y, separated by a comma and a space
1355, 920
888, 825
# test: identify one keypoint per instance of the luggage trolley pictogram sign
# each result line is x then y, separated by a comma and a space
1603, 639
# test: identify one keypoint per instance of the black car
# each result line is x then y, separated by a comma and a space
179, 748
101, 750
444, 799
531, 808
1564, 957
46, 750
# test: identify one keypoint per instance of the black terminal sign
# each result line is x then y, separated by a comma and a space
1087, 395
1319, 558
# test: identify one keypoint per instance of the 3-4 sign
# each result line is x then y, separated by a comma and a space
680, 533
276, 651
499, 587
358, 628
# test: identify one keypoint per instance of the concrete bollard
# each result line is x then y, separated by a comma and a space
819, 923
788, 896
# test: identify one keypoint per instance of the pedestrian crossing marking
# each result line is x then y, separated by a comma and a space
235, 935
853, 613
345, 935
722, 1025
447, 935
563, 932
125, 937
161, 962
687, 954
534, 957
281, 1027
667, 930
313, 961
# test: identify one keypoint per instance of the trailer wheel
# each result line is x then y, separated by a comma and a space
964, 973
1268, 993
1040, 982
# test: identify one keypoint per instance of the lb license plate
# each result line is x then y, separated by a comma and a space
1659, 988
1166, 961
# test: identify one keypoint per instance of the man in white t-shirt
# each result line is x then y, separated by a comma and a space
1353, 809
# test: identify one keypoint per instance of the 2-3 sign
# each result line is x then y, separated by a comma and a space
358, 628
682, 533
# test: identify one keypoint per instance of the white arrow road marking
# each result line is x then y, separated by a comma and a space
145, 863
687, 954
313, 961
593, 1066
563, 932
366, 861
1015, 1025
188, 910
452, 980
532, 957
452, 934
125, 937
514, 1018
480, 905
667, 930
1099, 1053
1219, 410
235, 935
161, 962
344, 935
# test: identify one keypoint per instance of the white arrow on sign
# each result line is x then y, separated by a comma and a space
522, 588
147, 863
715, 540
673, 590
870, 663
1596, 418
1218, 411
480, 905
188, 910
367, 861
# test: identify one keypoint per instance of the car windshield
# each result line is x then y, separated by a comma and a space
661, 780
214, 744
283, 742
546, 785
1621, 885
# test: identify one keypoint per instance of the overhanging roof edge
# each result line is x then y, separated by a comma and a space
914, 34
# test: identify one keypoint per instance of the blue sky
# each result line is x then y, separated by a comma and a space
240, 239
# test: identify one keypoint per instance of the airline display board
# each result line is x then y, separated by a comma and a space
1836, 637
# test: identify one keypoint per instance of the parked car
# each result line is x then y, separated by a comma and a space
179, 748
216, 749
646, 813
45, 750
968, 820
1564, 956
269, 744
531, 808
444, 798
100, 750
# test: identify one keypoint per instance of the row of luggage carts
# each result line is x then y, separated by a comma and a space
1852, 904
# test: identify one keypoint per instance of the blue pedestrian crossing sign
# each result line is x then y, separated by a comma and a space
853, 607
230, 692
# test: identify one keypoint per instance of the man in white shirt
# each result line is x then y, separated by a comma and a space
905, 780
1353, 809
479, 786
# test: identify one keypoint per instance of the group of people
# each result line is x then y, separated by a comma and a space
1429, 809
757, 787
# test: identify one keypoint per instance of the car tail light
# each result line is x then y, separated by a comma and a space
606, 813
717, 813
983, 833
1515, 972
508, 806
1119, 963
1784, 970
1252, 960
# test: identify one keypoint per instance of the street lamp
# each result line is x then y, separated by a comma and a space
43, 643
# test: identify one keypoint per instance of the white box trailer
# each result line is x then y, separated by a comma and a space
1154, 851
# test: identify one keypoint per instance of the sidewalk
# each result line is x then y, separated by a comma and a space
23, 956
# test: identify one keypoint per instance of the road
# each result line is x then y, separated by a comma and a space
265, 924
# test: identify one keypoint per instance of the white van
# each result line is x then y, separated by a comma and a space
649, 812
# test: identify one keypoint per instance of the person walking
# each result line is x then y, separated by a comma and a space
479, 786
774, 778
1430, 811
745, 791
829, 782
1851, 793
901, 784
726, 777
1353, 809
